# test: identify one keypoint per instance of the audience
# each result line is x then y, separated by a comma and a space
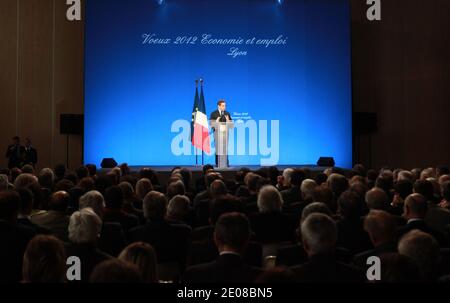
221, 229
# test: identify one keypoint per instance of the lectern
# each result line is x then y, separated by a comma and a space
221, 130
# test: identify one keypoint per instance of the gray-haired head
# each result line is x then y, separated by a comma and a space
84, 226
315, 208
319, 234
376, 198
307, 189
94, 200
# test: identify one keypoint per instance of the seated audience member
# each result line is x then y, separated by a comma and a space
338, 184
175, 188
307, 190
425, 188
382, 229
84, 232
44, 261
171, 241
270, 225
231, 235
114, 209
291, 255
325, 195
377, 198
319, 236
112, 237
25, 209
397, 268
130, 200
4, 182
144, 257
293, 193
143, 187
405, 175
116, 271
202, 202
402, 189
423, 249
200, 184
351, 234
284, 181
13, 236
179, 210
415, 211
438, 216
55, 219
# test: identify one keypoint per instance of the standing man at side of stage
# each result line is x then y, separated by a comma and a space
30, 155
15, 153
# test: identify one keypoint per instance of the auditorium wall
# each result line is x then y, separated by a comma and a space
401, 70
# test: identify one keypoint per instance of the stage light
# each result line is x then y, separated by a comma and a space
160, 2
280, 2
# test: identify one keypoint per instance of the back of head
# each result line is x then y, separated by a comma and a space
403, 188
155, 205
25, 181
84, 227
315, 208
4, 182
269, 199
349, 205
144, 257
217, 188
423, 249
376, 198
232, 231
116, 271
46, 178
338, 184
93, 199
28, 169
415, 206
114, 197
143, 187
381, 226
307, 189
26, 201
82, 172
44, 260
175, 188
323, 194
60, 170
429, 172
319, 234
127, 189
425, 188
59, 201
178, 207
222, 205
297, 177
9, 205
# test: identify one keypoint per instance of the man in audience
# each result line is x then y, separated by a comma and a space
376, 198
14, 237
284, 181
114, 209
270, 224
25, 209
15, 153
293, 194
231, 235
423, 249
55, 219
438, 216
382, 229
319, 236
112, 238
307, 191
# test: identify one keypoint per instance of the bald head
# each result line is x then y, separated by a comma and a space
59, 201
376, 198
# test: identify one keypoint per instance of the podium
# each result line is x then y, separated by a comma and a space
221, 141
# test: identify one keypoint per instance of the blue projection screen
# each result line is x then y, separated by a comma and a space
282, 66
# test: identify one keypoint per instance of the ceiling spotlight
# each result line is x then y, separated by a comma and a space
160, 2
280, 2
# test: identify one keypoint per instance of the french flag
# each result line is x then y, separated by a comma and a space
200, 127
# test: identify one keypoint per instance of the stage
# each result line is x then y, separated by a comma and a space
228, 173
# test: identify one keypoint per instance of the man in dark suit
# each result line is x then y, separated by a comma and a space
14, 238
30, 153
220, 115
382, 229
15, 153
319, 236
231, 235
293, 193
414, 211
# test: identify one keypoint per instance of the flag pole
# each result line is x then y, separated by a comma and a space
195, 148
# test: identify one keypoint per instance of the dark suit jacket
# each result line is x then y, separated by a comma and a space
126, 220
227, 268
39, 230
274, 227
291, 195
215, 114
15, 153
422, 226
437, 217
30, 156
14, 239
56, 221
90, 256
351, 235
325, 268
112, 238
292, 255
171, 242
